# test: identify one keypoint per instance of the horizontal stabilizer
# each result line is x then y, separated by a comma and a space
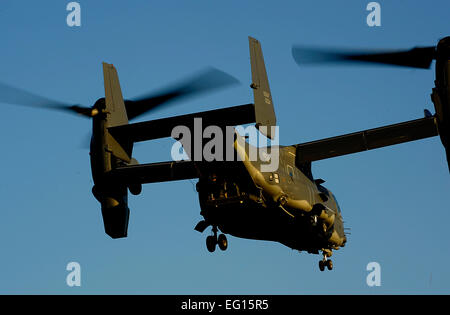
162, 128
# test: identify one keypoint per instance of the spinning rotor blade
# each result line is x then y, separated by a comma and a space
207, 80
420, 57
16, 96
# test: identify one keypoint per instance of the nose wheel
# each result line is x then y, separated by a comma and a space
212, 241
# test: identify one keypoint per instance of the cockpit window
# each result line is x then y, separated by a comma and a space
323, 190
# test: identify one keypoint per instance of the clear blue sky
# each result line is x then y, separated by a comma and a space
394, 199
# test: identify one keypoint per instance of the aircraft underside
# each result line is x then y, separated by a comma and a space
238, 209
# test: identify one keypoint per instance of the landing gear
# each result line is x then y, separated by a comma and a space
315, 213
223, 242
325, 262
330, 264
321, 265
212, 241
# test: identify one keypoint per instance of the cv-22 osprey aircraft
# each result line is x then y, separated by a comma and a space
287, 204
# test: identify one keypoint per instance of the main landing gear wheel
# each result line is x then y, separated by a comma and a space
325, 262
222, 241
321, 265
211, 243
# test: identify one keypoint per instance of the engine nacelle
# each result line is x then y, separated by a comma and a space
115, 211
135, 189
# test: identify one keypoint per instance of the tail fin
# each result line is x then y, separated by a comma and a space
116, 113
264, 111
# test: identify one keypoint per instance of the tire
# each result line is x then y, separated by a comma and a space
321, 265
329, 265
223, 242
211, 243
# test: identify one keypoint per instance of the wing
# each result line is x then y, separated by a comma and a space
155, 172
168, 171
366, 140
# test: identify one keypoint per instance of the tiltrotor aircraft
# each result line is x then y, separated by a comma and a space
239, 197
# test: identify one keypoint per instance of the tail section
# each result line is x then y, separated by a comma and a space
113, 195
264, 111
115, 106
116, 114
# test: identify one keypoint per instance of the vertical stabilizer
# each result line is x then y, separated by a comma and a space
264, 111
117, 114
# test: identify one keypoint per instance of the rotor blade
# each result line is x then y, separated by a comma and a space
16, 96
420, 57
207, 80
